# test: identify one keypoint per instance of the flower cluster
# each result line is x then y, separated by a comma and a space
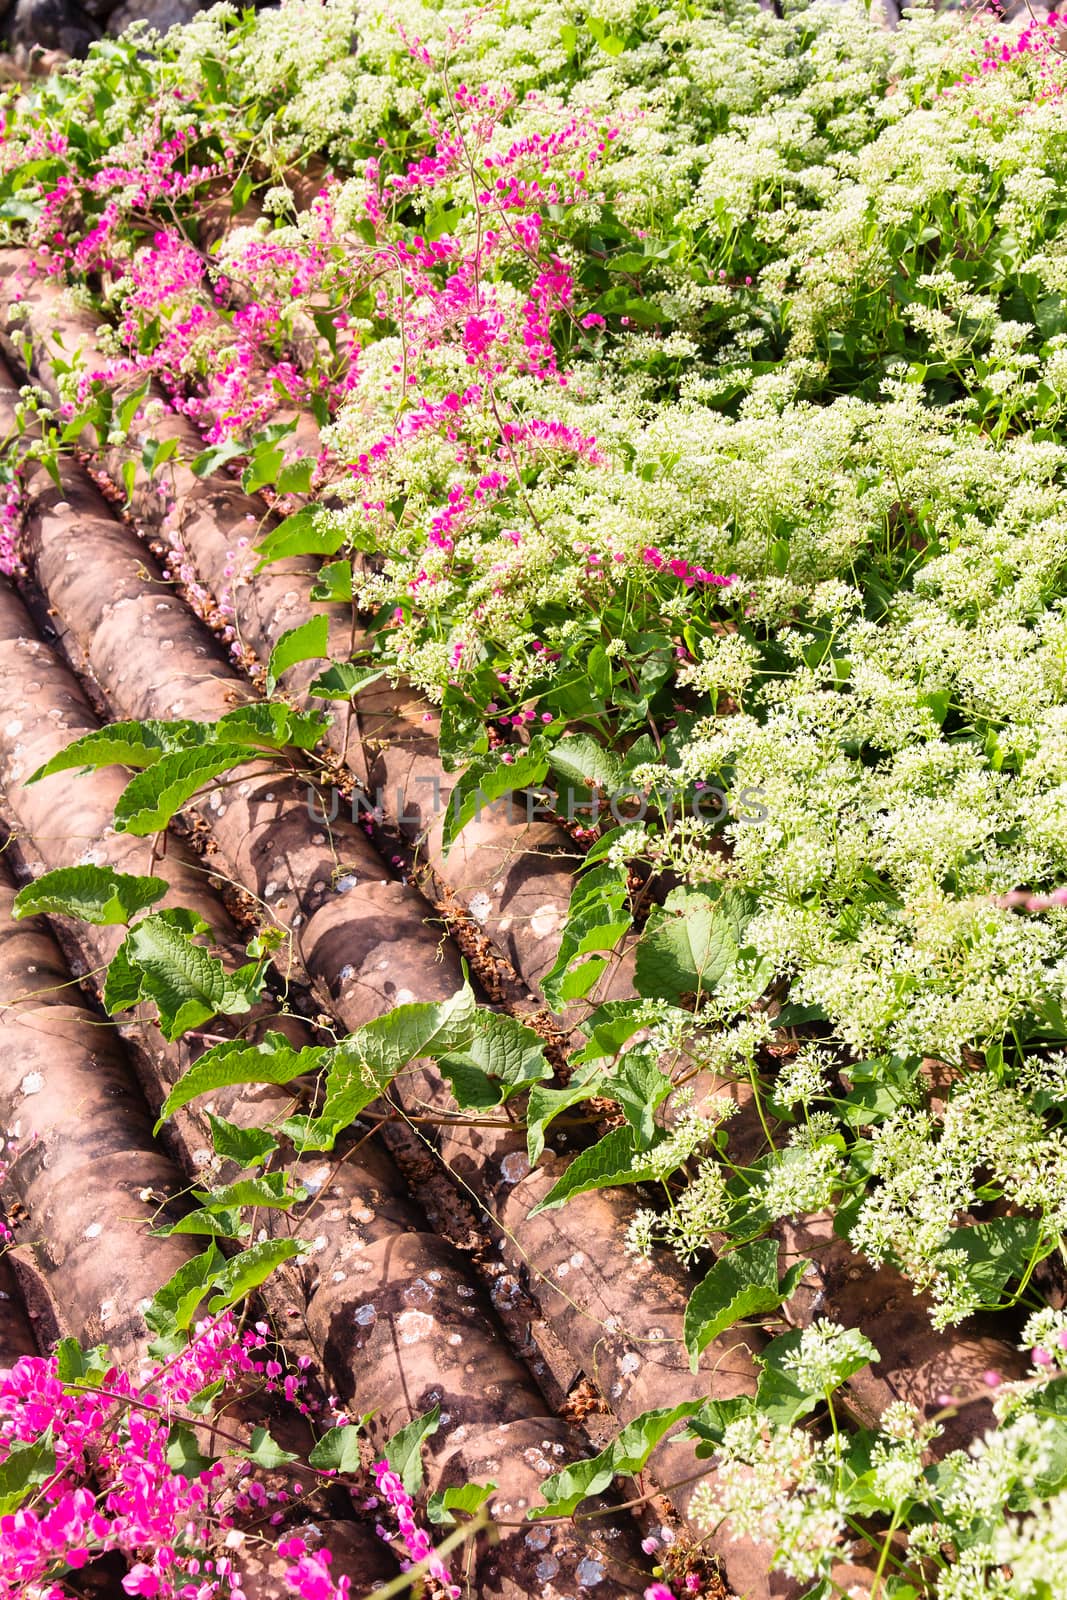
688, 384
416, 1541
107, 1482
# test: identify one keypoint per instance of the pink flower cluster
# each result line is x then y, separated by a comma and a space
10, 523
1034, 902
1038, 41
416, 1540
310, 1577
689, 575
276, 325
115, 1435
223, 343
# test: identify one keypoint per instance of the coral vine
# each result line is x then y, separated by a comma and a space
107, 1483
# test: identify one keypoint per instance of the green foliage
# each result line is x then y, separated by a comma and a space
249, 1147
26, 1466
605, 1165
246, 1271
501, 1059
271, 1060
306, 642
343, 680
741, 1284
597, 919
174, 1306
564, 1491
468, 1497
266, 1452
305, 533
338, 1449
404, 1450
689, 946
484, 785
160, 962
89, 893
128, 744
151, 799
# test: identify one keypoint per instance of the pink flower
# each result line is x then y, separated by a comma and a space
659, 1591
141, 1580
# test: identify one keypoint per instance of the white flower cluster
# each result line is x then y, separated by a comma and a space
931, 1173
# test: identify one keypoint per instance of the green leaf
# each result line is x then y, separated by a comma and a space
157, 452
404, 1450
184, 1457
122, 986
503, 1056
209, 461
92, 894
684, 956
606, 1165
781, 1397
249, 1147
580, 759
462, 734
577, 981
741, 1284
714, 1417
306, 642
130, 406
471, 1089
468, 1497
69, 1360
545, 1104
333, 581
150, 800
343, 680
264, 467
996, 1252
269, 723
482, 786
272, 1060
126, 744
564, 1491
248, 1270
362, 1066
610, 1027
295, 477
597, 919
27, 1466
73, 1363
639, 1087
339, 1449
185, 983
870, 1103
271, 1190
216, 1224
305, 533
610, 43
266, 1452
174, 1306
